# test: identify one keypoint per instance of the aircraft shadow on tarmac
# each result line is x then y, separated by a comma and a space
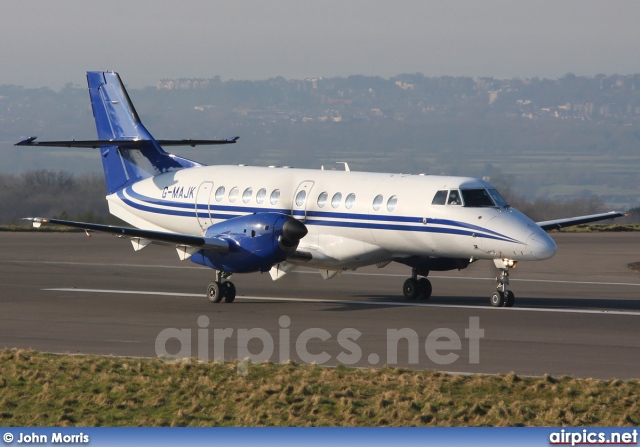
568, 303
580, 303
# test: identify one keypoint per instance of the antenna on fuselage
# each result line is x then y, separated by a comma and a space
346, 165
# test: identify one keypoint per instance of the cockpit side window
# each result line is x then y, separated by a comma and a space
497, 198
477, 198
454, 197
440, 198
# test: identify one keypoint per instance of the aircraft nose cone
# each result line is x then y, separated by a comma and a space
292, 231
541, 246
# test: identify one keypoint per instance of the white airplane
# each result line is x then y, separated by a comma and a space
241, 219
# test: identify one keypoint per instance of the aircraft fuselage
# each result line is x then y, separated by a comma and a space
353, 218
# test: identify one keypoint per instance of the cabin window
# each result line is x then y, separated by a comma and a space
349, 201
233, 194
322, 199
336, 199
275, 196
246, 195
300, 197
440, 198
220, 194
262, 193
377, 202
391, 203
454, 197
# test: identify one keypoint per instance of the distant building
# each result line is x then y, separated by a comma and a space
182, 84
404, 85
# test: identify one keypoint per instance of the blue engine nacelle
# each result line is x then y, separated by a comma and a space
256, 242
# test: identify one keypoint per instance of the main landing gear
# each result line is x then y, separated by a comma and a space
415, 288
503, 297
220, 289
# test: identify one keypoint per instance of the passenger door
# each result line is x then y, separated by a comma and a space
300, 199
202, 204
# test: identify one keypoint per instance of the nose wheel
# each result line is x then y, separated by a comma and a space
500, 298
219, 289
503, 297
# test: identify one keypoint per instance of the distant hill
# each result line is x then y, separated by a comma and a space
566, 138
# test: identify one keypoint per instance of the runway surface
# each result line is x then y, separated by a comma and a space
576, 314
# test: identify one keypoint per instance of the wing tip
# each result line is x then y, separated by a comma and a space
27, 142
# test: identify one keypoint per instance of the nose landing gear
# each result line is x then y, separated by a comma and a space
503, 297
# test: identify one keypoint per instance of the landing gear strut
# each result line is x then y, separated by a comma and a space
220, 289
503, 297
414, 288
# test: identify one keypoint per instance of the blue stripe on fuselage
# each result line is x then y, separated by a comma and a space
156, 206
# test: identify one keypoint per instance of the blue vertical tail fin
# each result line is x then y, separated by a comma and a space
129, 152
139, 155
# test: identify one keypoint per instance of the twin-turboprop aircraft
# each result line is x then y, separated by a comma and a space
242, 219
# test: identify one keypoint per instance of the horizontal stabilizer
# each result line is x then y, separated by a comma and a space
122, 144
214, 244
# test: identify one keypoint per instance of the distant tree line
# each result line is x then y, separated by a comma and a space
59, 194
46, 193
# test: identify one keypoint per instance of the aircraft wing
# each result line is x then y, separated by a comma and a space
570, 221
148, 236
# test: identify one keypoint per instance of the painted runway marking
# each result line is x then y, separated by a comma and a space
306, 272
361, 303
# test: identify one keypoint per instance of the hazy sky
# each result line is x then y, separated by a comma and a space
51, 43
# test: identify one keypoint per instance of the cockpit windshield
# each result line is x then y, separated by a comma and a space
474, 198
482, 198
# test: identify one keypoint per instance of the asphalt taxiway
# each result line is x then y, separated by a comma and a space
576, 314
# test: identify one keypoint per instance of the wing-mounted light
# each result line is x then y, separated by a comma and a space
36, 221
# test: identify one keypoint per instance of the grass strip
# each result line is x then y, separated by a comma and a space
600, 228
48, 228
60, 390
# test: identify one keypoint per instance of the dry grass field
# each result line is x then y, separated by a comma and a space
58, 390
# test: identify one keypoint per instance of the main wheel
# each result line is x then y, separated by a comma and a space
229, 291
497, 299
510, 299
410, 289
214, 292
424, 286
